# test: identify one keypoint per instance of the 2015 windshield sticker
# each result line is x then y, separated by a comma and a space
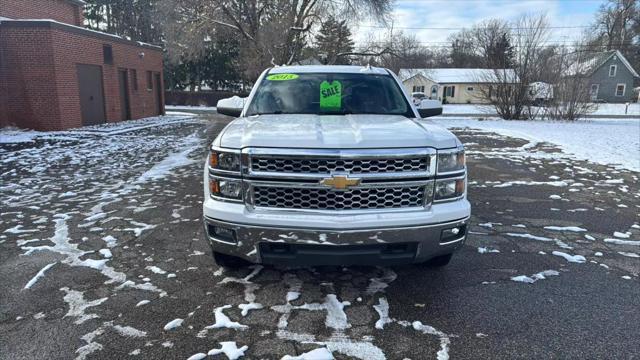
330, 95
282, 77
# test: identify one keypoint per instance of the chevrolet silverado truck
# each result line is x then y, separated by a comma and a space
333, 165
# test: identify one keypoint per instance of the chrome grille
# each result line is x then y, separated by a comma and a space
326, 199
293, 165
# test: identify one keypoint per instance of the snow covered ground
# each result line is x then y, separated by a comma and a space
102, 245
611, 142
13, 135
633, 111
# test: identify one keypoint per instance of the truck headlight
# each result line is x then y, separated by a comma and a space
449, 189
224, 160
450, 161
225, 188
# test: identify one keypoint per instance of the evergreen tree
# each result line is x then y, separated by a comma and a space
500, 54
334, 41
133, 19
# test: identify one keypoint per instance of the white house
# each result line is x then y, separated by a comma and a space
453, 85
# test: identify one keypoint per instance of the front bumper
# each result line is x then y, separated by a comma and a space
294, 246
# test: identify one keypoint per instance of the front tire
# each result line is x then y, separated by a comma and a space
228, 261
439, 261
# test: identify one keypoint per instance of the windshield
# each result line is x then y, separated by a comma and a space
329, 94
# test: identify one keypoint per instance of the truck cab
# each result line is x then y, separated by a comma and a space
334, 165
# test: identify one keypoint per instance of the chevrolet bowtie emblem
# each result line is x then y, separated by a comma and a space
340, 182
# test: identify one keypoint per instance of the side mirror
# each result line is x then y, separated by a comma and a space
428, 107
230, 106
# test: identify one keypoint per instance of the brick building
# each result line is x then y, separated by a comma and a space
55, 74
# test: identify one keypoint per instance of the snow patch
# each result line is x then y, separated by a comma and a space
175, 323
230, 349
629, 254
172, 161
129, 331
78, 305
443, 353
39, 275
106, 253
315, 354
383, 311
579, 259
535, 277
484, 250
565, 228
621, 235
379, 284
156, 270
223, 321
622, 242
142, 303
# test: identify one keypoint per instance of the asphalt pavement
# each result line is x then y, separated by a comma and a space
102, 256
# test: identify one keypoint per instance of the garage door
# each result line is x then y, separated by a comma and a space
91, 94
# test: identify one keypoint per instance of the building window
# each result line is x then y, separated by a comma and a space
450, 91
418, 88
149, 80
134, 79
107, 54
434, 91
620, 89
593, 92
612, 70
470, 88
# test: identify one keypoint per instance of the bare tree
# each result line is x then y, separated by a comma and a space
464, 50
271, 31
397, 50
507, 89
617, 27
493, 43
571, 92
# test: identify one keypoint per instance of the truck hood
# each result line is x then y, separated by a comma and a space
334, 131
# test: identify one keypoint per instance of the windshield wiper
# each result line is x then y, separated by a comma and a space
278, 112
344, 112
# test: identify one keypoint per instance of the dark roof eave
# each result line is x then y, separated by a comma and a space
52, 24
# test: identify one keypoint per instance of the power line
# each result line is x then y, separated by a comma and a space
567, 43
509, 0
464, 28
584, 46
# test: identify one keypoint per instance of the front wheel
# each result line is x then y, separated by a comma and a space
439, 261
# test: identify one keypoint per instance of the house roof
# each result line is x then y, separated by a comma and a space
456, 75
593, 61
53, 24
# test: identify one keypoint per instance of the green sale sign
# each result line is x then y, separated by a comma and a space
330, 95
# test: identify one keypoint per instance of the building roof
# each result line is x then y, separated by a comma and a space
75, 29
591, 62
456, 75
77, 2
352, 69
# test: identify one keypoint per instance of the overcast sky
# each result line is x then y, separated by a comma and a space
461, 13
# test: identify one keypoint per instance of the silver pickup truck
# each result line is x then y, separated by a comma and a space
333, 165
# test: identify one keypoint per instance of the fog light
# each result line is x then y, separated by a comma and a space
222, 233
452, 234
